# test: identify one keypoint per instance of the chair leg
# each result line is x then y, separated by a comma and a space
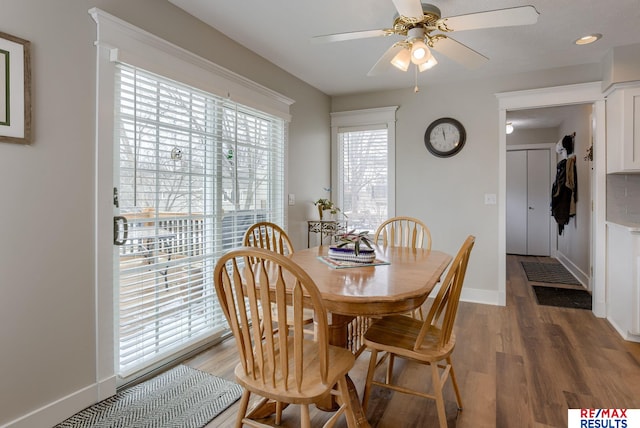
345, 399
278, 412
437, 392
390, 367
242, 411
455, 383
367, 385
305, 420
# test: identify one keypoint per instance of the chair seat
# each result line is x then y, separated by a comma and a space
307, 315
398, 333
311, 388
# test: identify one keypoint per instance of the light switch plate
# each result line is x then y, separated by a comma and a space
292, 199
490, 199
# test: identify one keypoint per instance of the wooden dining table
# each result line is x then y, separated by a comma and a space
382, 289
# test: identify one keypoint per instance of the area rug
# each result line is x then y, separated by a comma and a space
549, 272
181, 397
562, 297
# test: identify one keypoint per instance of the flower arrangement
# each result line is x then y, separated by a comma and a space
355, 239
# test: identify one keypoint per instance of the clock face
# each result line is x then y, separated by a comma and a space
445, 137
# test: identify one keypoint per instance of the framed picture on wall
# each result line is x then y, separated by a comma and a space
15, 90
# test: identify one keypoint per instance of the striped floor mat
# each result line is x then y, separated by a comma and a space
562, 297
181, 397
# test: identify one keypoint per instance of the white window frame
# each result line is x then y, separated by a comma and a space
118, 40
373, 118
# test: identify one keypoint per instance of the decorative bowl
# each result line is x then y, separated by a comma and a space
348, 253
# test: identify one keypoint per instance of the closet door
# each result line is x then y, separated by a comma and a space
528, 199
517, 202
538, 202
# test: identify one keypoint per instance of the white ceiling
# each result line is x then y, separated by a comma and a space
281, 30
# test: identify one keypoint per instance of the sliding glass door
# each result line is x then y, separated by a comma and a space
194, 172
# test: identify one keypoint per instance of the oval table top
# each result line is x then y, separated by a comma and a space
397, 287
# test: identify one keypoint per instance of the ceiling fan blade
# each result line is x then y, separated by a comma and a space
339, 37
409, 8
459, 53
523, 15
384, 63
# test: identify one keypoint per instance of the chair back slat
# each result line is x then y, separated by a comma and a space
403, 231
248, 279
265, 349
442, 313
269, 236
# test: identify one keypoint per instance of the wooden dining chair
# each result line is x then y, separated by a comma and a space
403, 231
272, 237
429, 342
269, 236
408, 232
280, 365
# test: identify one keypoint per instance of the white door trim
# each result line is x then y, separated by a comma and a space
547, 97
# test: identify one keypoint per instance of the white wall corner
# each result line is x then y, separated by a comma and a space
486, 297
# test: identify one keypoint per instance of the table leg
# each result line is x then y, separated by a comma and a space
338, 336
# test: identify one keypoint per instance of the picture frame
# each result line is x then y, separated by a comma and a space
15, 89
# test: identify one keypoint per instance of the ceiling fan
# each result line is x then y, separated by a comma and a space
422, 27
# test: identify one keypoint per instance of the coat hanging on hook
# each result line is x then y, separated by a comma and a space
564, 193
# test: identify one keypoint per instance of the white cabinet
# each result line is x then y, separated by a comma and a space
623, 129
623, 279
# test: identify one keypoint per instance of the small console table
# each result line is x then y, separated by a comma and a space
326, 228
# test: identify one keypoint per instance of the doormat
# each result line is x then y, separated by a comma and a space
549, 272
181, 397
562, 297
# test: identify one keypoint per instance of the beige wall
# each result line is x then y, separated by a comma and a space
532, 136
574, 244
448, 194
47, 268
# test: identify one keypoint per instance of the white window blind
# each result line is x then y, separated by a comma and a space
195, 171
363, 176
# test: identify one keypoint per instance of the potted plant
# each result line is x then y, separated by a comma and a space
324, 204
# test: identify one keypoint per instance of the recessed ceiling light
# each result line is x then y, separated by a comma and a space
585, 40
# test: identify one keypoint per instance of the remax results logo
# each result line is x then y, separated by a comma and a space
604, 418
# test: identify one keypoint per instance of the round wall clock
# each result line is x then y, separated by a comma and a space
445, 137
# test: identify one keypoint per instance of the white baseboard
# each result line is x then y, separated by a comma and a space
486, 297
575, 271
623, 332
59, 410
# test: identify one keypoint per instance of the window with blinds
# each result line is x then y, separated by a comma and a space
363, 175
195, 171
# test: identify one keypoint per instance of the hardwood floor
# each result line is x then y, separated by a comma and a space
522, 365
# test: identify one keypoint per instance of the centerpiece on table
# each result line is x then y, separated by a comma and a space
349, 247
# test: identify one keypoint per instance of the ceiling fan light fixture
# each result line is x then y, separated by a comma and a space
402, 60
427, 65
420, 53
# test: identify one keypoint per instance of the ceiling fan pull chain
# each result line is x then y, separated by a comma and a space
416, 89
